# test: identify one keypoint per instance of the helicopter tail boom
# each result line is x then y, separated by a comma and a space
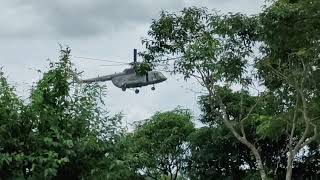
99, 79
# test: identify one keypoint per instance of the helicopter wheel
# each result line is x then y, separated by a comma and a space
153, 88
123, 88
136, 91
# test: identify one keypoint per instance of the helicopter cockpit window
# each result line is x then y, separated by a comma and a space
154, 75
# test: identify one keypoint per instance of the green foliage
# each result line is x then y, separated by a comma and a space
265, 118
159, 146
142, 68
216, 154
289, 65
14, 131
64, 132
290, 35
238, 104
206, 43
270, 127
217, 50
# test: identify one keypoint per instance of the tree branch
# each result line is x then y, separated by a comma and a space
315, 135
293, 123
307, 122
240, 116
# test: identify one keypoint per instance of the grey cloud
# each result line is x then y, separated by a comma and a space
244, 6
84, 18
17, 21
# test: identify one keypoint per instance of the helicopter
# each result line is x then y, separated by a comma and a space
129, 78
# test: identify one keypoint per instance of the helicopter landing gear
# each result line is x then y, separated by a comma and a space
153, 88
136, 91
123, 88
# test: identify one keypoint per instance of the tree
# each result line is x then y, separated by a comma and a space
272, 146
15, 132
290, 67
217, 50
63, 132
213, 49
73, 128
159, 146
216, 154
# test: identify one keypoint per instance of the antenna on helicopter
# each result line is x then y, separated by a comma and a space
135, 55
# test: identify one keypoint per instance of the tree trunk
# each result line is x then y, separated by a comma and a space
243, 139
289, 166
253, 149
257, 156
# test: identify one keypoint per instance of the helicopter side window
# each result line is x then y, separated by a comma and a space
155, 76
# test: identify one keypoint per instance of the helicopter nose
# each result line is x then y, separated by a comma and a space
163, 78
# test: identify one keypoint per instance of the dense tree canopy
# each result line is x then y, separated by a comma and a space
273, 55
160, 144
260, 109
60, 133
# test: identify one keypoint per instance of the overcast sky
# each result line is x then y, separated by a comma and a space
31, 30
